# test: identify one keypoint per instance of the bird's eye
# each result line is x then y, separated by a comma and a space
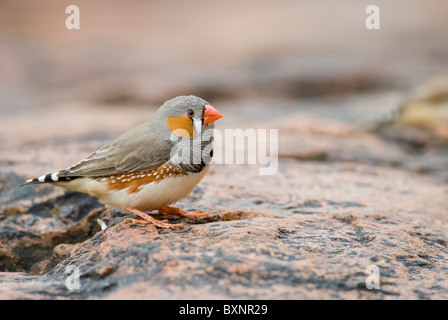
190, 112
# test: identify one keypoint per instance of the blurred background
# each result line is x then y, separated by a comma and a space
300, 66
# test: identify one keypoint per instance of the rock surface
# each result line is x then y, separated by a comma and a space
343, 198
311, 234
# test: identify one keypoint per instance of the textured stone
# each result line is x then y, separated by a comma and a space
311, 236
344, 197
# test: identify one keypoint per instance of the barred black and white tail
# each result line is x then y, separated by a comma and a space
51, 177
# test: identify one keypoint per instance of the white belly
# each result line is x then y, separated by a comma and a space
157, 194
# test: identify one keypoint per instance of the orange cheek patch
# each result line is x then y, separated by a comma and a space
182, 126
134, 180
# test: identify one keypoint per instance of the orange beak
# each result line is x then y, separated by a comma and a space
211, 114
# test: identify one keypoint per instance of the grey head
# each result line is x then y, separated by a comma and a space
181, 107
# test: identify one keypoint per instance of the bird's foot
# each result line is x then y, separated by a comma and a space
182, 213
148, 219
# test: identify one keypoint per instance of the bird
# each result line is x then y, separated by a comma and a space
150, 167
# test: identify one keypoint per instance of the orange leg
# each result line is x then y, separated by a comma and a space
148, 219
182, 213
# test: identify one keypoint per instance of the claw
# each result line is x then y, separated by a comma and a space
182, 213
148, 219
